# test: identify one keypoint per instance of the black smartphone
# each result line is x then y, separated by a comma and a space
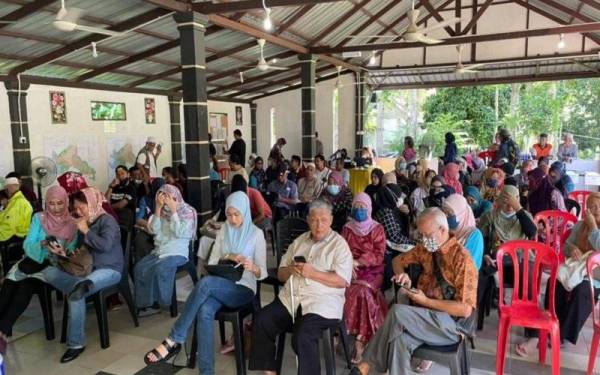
299, 259
52, 240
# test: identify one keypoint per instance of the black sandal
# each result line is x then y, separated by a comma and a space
172, 351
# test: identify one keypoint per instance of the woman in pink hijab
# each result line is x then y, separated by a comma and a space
463, 227
365, 307
54, 223
451, 174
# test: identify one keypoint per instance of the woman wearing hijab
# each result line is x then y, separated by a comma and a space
258, 176
478, 170
461, 224
373, 187
438, 192
239, 241
393, 215
365, 306
451, 174
401, 171
542, 193
340, 198
102, 238
146, 205
479, 205
422, 177
492, 184
173, 225
20, 282
562, 181
574, 305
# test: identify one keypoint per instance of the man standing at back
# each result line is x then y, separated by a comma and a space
238, 147
147, 158
542, 148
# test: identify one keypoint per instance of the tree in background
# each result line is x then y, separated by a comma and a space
583, 114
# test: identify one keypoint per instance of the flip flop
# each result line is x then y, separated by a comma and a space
227, 348
423, 367
521, 350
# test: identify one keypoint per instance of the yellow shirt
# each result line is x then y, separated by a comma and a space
16, 217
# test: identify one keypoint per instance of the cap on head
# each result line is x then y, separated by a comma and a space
152, 140
11, 181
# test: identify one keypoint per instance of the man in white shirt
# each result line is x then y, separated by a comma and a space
316, 270
147, 158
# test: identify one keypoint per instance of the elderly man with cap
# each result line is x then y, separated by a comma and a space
147, 157
286, 190
16, 216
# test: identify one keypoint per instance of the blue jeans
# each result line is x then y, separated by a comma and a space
65, 282
207, 298
154, 278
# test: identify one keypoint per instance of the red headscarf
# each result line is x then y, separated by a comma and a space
61, 225
94, 200
451, 174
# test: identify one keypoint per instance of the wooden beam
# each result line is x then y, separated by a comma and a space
236, 71
24, 11
247, 5
458, 14
488, 81
567, 10
129, 60
551, 16
83, 42
324, 77
154, 77
437, 15
340, 20
172, 5
593, 3
277, 40
476, 17
259, 77
567, 29
370, 21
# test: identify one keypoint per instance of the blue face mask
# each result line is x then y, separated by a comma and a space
333, 189
452, 222
359, 214
490, 182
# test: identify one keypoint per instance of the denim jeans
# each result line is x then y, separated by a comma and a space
154, 278
65, 282
209, 295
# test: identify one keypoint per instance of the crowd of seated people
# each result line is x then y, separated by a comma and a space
446, 222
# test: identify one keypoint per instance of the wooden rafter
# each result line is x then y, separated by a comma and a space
155, 77
83, 42
437, 15
260, 77
24, 11
334, 25
248, 5
552, 17
297, 86
476, 17
368, 22
566, 29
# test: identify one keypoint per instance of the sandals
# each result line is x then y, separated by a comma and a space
172, 351
521, 350
423, 367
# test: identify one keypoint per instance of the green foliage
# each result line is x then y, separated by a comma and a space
583, 113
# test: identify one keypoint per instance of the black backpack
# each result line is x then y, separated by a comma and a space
513, 152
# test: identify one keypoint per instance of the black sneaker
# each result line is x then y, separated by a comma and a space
80, 290
71, 354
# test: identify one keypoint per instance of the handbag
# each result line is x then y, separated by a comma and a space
226, 269
572, 272
80, 263
29, 266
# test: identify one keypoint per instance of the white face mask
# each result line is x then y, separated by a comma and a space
431, 244
508, 215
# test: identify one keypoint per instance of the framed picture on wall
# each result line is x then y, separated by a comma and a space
58, 109
108, 111
239, 120
150, 110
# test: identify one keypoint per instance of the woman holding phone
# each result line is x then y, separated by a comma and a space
240, 241
173, 225
101, 236
53, 226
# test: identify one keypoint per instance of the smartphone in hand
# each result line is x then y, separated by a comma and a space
410, 290
299, 259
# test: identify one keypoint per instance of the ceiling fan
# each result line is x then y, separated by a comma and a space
462, 69
262, 64
413, 33
67, 20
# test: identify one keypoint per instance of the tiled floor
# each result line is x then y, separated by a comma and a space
30, 352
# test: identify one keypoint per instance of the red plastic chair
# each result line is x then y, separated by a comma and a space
580, 196
555, 223
563, 241
593, 262
224, 173
524, 310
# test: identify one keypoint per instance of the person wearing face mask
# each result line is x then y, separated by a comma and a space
562, 181
173, 225
478, 170
142, 187
492, 184
376, 183
340, 198
393, 214
258, 176
365, 306
461, 223
522, 179
401, 171
573, 304
438, 192
444, 299
423, 179
121, 194
479, 205
542, 193
286, 191
451, 174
